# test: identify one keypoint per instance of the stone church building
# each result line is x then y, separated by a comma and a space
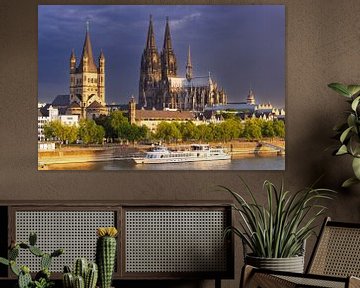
87, 83
160, 87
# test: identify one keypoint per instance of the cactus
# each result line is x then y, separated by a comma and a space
80, 267
14, 268
36, 251
13, 253
91, 276
45, 261
67, 269
42, 278
24, 280
79, 282
87, 272
105, 254
32, 239
68, 280
4, 261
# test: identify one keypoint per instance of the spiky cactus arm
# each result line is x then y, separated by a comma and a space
80, 268
68, 280
105, 258
91, 276
79, 282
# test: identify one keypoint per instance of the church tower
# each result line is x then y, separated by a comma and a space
189, 73
87, 81
150, 71
250, 98
168, 59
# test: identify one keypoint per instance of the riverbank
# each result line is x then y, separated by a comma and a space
78, 154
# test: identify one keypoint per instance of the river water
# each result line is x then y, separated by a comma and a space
243, 163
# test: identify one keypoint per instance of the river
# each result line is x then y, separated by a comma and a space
238, 163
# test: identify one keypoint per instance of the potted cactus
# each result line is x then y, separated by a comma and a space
106, 254
42, 278
84, 275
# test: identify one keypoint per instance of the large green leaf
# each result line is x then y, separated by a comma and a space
345, 134
353, 89
341, 89
342, 150
355, 103
351, 120
354, 145
356, 167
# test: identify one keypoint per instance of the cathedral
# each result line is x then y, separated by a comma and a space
87, 83
160, 87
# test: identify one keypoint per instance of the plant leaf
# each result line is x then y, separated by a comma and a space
355, 103
349, 182
340, 88
342, 150
353, 89
4, 261
351, 119
356, 167
345, 134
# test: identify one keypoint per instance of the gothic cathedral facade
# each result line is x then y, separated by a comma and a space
160, 87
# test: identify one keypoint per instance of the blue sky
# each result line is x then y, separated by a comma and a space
241, 45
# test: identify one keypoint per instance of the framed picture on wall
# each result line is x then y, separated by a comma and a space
161, 87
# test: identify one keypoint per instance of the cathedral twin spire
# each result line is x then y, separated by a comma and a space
167, 55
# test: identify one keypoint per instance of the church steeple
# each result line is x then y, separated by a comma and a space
168, 59
188, 66
167, 38
72, 62
150, 41
150, 70
87, 63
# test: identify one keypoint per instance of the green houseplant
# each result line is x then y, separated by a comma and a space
275, 233
349, 132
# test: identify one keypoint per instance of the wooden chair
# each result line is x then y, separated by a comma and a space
334, 263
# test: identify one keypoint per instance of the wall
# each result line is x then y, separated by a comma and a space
322, 43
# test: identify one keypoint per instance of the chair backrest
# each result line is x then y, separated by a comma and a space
337, 251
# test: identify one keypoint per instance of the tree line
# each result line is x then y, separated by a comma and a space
116, 127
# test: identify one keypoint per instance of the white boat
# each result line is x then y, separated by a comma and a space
197, 152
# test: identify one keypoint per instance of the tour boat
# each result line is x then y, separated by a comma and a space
197, 152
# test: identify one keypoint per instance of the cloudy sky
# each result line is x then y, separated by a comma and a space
241, 45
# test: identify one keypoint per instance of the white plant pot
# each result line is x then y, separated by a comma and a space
291, 264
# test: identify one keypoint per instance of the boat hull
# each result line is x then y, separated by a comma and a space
180, 159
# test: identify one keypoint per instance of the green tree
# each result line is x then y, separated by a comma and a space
252, 129
279, 128
231, 129
205, 132
267, 129
188, 130
55, 130
117, 125
89, 132
167, 131
136, 133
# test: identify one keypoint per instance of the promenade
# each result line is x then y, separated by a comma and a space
82, 154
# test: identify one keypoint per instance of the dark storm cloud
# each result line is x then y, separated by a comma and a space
241, 45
